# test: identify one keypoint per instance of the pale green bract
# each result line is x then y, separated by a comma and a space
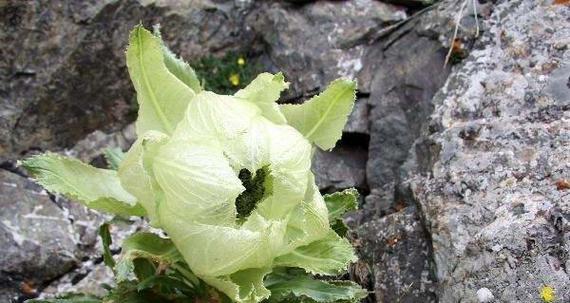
187, 169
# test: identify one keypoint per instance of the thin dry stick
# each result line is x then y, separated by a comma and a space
476, 19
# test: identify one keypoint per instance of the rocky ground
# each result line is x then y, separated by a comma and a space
462, 157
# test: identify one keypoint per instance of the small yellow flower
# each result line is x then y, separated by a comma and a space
241, 61
547, 294
234, 79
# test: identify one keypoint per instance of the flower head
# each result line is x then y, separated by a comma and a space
547, 294
234, 79
228, 178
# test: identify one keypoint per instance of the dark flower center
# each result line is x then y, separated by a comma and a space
255, 190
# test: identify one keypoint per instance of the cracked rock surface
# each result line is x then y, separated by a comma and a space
487, 169
37, 240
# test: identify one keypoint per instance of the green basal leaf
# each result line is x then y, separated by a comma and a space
126, 292
288, 285
338, 204
264, 91
322, 118
107, 241
162, 96
114, 156
167, 284
146, 246
97, 188
341, 202
69, 298
243, 286
339, 227
328, 256
178, 67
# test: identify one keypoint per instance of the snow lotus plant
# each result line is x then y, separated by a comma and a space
228, 179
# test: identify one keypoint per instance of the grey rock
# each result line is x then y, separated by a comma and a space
318, 42
358, 119
37, 242
399, 254
64, 74
341, 168
90, 276
559, 85
93, 146
412, 3
487, 164
94, 276
484, 295
407, 69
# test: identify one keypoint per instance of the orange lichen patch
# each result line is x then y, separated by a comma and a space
562, 2
457, 47
562, 184
392, 241
27, 288
400, 205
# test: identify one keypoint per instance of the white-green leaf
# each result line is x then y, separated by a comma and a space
308, 221
179, 67
162, 96
135, 172
215, 250
244, 286
114, 156
289, 164
322, 118
264, 91
97, 188
197, 181
215, 118
144, 245
287, 285
328, 256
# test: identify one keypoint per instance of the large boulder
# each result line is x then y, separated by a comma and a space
490, 172
399, 257
64, 75
403, 69
37, 241
320, 41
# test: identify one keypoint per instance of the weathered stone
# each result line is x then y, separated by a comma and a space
64, 75
316, 43
412, 3
405, 78
400, 255
341, 168
90, 276
92, 273
37, 242
358, 119
94, 145
487, 165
